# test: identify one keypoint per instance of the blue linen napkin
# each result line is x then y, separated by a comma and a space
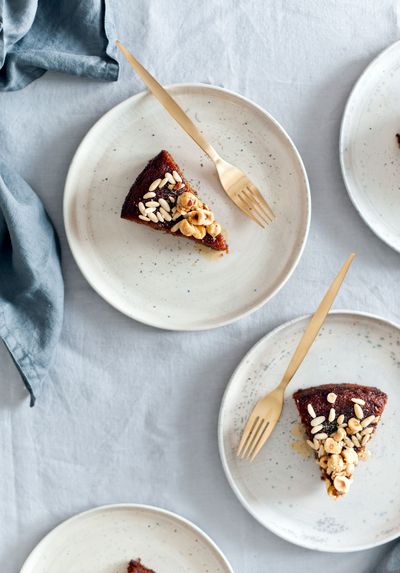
60, 35
391, 563
31, 283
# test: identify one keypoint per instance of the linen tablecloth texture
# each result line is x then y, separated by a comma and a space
60, 35
130, 413
31, 283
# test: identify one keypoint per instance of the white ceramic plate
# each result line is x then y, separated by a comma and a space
369, 153
105, 539
282, 487
157, 278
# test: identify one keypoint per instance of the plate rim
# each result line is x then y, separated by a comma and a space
346, 313
345, 116
67, 194
152, 508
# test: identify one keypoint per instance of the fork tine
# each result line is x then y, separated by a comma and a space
263, 438
244, 207
256, 443
253, 205
253, 438
261, 198
248, 429
255, 198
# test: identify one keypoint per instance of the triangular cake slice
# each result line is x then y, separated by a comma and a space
339, 420
135, 566
162, 198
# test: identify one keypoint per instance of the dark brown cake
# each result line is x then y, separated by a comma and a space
339, 420
163, 199
137, 567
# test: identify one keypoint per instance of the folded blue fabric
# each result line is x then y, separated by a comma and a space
62, 35
391, 563
31, 283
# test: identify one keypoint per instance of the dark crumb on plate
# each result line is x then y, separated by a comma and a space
137, 567
398, 138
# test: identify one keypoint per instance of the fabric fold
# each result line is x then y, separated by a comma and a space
31, 283
70, 36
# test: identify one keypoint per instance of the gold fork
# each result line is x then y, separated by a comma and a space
234, 182
268, 409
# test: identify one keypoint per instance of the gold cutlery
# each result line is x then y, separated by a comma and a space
235, 183
268, 409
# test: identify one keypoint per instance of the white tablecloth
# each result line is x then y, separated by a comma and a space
113, 424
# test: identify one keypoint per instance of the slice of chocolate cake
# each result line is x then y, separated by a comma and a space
339, 420
137, 567
163, 199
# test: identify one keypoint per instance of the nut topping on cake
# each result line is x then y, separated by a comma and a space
339, 443
162, 198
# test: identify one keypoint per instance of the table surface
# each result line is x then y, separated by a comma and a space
93, 438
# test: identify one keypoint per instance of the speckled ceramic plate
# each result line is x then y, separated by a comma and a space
282, 488
171, 282
369, 152
105, 539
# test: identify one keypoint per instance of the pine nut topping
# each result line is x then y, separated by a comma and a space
149, 210
367, 421
166, 215
181, 186
144, 218
332, 415
331, 397
367, 431
316, 429
312, 445
365, 440
358, 401
170, 179
177, 177
152, 204
163, 183
175, 227
165, 205
141, 208
176, 216
348, 442
358, 411
160, 217
355, 441
340, 419
153, 217
172, 199
321, 436
149, 195
311, 411
317, 421
155, 184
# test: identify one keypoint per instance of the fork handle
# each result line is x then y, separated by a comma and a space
315, 324
169, 103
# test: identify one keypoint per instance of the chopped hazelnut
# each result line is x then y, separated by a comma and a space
186, 228
354, 426
323, 462
332, 446
339, 435
342, 484
201, 217
336, 464
214, 229
350, 456
199, 232
186, 202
